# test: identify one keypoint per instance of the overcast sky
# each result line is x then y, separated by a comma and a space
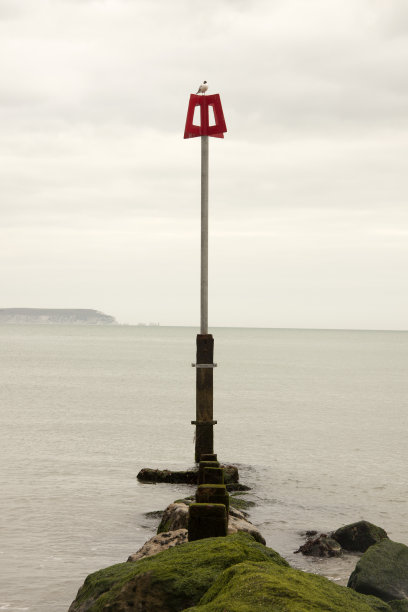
100, 193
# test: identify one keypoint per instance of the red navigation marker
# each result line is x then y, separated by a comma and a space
205, 129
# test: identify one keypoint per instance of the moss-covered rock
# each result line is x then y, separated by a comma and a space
359, 536
399, 605
170, 581
231, 476
234, 573
261, 586
235, 486
382, 571
169, 476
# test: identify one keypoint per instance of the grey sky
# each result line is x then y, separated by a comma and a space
308, 191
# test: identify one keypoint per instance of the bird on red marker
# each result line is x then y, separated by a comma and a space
203, 88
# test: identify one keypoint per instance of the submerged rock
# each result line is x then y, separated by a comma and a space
240, 503
234, 573
382, 571
356, 537
169, 476
231, 475
237, 486
359, 536
153, 514
320, 546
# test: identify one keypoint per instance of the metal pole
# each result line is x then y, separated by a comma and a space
204, 443
204, 235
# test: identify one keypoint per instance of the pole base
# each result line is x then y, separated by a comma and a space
204, 422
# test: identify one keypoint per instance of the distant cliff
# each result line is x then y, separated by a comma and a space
54, 316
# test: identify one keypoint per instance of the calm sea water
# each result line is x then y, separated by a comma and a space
316, 420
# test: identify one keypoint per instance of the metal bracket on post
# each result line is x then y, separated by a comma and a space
204, 365
204, 422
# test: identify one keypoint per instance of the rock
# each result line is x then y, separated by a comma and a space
171, 580
320, 546
174, 517
154, 514
240, 503
232, 573
236, 486
262, 587
231, 475
382, 571
160, 542
178, 477
399, 605
236, 523
359, 536
238, 513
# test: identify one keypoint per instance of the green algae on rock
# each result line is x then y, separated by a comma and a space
359, 536
240, 503
399, 605
382, 571
167, 476
234, 573
258, 586
152, 475
172, 580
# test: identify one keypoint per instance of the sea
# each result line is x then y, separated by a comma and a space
315, 420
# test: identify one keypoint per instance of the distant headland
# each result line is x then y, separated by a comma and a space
54, 316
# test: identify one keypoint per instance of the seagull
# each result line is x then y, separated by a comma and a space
203, 88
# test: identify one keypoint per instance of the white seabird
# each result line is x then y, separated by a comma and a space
203, 88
